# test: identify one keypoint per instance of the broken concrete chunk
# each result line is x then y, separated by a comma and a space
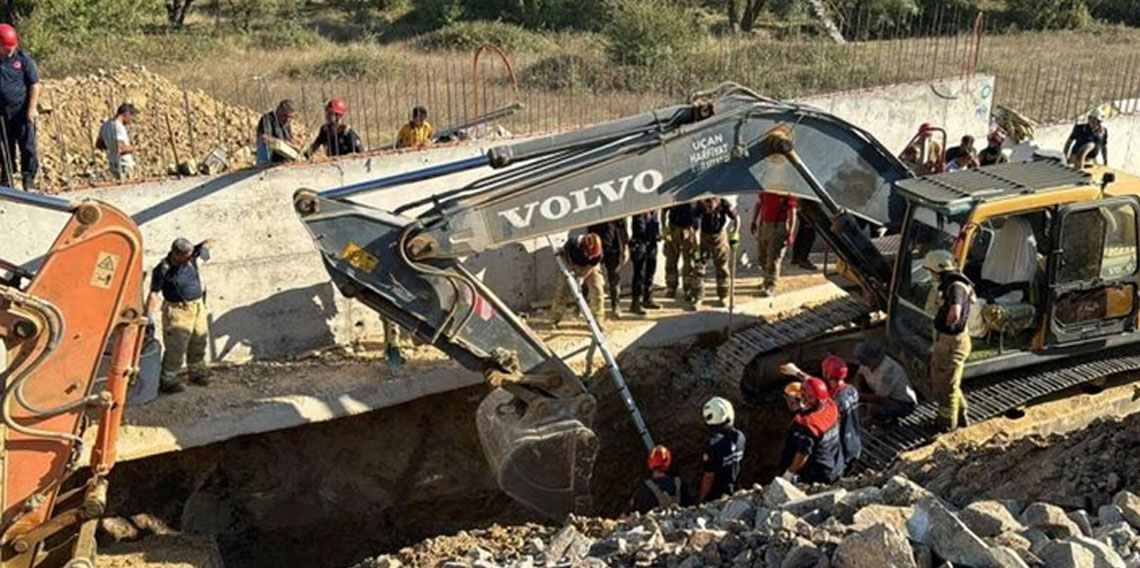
803, 555
1051, 519
1110, 515
825, 502
780, 492
1002, 557
875, 547
1082, 520
568, 544
1104, 555
739, 509
989, 518
857, 499
1118, 536
902, 492
871, 515
1067, 554
934, 525
1036, 537
700, 538
1129, 505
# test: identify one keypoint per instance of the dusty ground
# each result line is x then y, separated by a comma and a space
162, 551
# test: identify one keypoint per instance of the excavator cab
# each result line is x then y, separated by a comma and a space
1052, 253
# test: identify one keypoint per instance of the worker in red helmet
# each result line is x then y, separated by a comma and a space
19, 102
846, 396
336, 136
662, 489
813, 450
930, 157
583, 257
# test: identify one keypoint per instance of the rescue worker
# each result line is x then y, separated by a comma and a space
645, 232
955, 298
846, 397
1088, 141
993, 153
883, 384
794, 397
661, 490
114, 139
336, 136
582, 255
724, 452
417, 132
177, 283
19, 101
812, 450
773, 224
717, 243
681, 245
615, 253
275, 125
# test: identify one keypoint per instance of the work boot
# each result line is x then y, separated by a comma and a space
720, 302
649, 304
671, 292
615, 310
635, 306
200, 379
765, 292
171, 387
806, 264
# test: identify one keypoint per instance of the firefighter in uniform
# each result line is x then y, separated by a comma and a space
177, 284
662, 490
681, 245
774, 225
846, 396
955, 298
583, 256
812, 451
717, 242
724, 452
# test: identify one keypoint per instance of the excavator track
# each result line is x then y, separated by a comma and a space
999, 395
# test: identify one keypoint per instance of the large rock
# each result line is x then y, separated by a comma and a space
857, 499
803, 555
777, 521
871, 515
1110, 515
902, 492
1016, 543
1051, 519
1129, 505
1105, 556
1067, 554
781, 492
876, 547
989, 518
700, 538
1119, 536
826, 501
736, 509
569, 544
934, 525
1006, 558
1082, 520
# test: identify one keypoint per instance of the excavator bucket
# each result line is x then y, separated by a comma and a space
543, 456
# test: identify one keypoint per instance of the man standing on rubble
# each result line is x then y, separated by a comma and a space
773, 224
582, 255
717, 243
336, 136
724, 453
681, 244
113, 138
662, 490
812, 451
19, 100
952, 343
615, 253
274, 130
646, 231
177, 283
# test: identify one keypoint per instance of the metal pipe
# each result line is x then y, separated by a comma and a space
409, 177
37, 200
611, 363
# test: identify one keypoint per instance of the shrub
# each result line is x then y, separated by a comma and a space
1117, 11
49, 25
466, 36
438, 13
1048, 14
355, 64
649, 32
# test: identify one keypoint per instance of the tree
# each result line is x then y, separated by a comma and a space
176, 11
746, 20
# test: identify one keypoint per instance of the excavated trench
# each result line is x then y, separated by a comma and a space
330, 494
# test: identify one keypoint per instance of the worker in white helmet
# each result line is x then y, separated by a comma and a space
724, 452
951, 339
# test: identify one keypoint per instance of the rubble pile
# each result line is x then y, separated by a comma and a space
73, 109
898, 524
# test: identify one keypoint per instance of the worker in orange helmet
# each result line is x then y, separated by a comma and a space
813, 451
583, 256
19, 103
662, 489
336, 136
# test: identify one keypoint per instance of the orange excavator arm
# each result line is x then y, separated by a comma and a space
55, 324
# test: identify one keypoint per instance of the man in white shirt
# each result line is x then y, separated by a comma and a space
114, 139
883, 384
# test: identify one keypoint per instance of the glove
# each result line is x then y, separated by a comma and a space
788, 476
667, 237
625, 255
734, 240
789, 369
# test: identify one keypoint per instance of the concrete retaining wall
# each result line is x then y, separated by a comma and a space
269, 294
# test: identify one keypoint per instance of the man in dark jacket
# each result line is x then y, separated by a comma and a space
646, 231
661, 490
813, 451
19, 101
615, 252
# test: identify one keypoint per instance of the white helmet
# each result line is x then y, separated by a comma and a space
718, 412
939, 261
1097, 115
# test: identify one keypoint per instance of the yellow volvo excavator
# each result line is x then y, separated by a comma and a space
1051, 249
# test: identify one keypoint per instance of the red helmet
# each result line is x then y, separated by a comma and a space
816, 389
8, 36
591, 244
834, 368
660, 458
337, 106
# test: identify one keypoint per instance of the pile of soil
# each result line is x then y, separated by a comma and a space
74, 108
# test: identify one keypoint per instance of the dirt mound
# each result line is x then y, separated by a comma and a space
78, 106
1082, 469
